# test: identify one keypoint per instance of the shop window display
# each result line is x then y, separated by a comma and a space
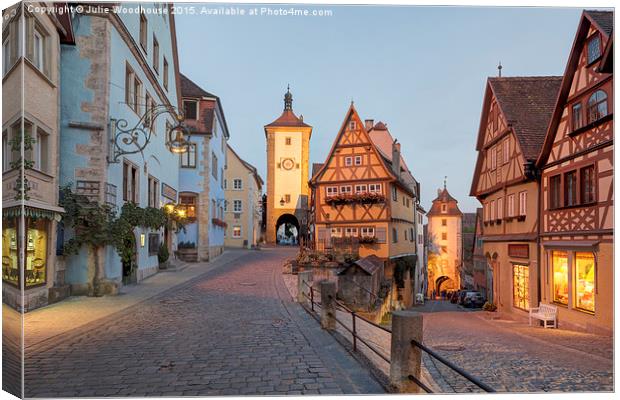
584, 281
35, 248
10, 272
521, 286
559, 263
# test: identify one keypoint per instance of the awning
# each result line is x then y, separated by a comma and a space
32, 210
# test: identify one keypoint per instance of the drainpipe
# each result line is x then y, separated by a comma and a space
538, 231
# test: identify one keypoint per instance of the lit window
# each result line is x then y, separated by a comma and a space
187, 203
594, 48
584, 280
559, 265
236, 231
597, 106
36, 252
521, 286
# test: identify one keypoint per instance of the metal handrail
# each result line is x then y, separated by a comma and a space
453, 367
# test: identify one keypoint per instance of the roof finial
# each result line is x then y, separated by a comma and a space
499, 68
445, 181
288, 99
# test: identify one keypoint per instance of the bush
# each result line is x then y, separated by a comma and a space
163, 254
489, 307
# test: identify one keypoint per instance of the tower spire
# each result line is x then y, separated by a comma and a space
445, 181
288, 99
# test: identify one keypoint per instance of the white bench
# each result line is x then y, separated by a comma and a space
545, 313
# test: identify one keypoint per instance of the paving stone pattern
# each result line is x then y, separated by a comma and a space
230, 331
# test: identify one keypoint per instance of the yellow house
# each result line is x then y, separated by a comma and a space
445, 233
243, 189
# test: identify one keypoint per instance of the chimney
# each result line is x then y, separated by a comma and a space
301, 117
396, 157
369, 123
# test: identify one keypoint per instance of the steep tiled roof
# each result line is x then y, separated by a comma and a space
604, 19
316, 167
190, 89
288, 118
369, 264
443, 196
527, 103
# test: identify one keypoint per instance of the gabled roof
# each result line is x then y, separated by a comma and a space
527, 104
351, 113
249, 166
443, 196
190, 89
603, 22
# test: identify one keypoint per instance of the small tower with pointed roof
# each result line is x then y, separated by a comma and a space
288, 150
445, 231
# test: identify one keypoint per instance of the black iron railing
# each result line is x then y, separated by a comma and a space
355, 337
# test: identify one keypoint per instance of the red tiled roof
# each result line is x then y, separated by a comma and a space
190, 89
444, 197
527, 103
288, 118
604, 19
380, 126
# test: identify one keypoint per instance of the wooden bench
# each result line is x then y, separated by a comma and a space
545, 313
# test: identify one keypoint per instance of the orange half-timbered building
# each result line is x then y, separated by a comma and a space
515, 115
360, 192
577, 184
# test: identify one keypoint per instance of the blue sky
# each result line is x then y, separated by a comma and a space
421, 70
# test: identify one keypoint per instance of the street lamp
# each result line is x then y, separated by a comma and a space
132, 140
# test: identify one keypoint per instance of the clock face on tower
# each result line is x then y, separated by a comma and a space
288, 164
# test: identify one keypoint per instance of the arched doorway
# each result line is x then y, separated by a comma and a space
287, 230
443, 283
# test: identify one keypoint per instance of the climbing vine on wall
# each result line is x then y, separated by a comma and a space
22, 186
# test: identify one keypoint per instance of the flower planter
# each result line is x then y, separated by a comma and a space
188, 255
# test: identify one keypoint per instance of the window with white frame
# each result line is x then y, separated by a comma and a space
493, 158
237, 206
350, 232
374, 188
153, 192
38, 49
348, 161
331, 190
237, 184
155, 54
493, 210
361, 189
506, 150
188, 159
130, 182
346, 189
500, 208
367, 231
511, 205
522, 203
190, 109
358, 160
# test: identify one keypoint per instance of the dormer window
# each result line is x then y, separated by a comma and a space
594, 48
190, 107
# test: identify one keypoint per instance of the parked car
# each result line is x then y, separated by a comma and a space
473, 300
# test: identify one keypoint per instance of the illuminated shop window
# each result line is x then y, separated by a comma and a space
521, 286
559, 264
584, 281
10, 272
35, 247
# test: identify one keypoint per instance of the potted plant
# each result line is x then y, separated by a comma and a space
489, 308
162, 256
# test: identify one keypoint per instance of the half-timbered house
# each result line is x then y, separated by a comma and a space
577, 184
361, 194
515, 115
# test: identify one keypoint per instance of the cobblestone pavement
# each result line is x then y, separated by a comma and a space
507, 355
230, 331
510, 356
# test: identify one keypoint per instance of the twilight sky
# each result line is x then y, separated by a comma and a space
421, 70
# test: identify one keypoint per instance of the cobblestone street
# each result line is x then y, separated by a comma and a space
231, 331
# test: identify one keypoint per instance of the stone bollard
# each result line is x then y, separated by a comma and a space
303, 280
328, 305
405, 358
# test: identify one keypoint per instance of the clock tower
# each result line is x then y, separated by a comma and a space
288, 141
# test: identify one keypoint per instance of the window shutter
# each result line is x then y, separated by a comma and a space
381, 235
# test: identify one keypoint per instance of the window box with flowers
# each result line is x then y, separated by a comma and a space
219, 222
367, 240
363, 198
